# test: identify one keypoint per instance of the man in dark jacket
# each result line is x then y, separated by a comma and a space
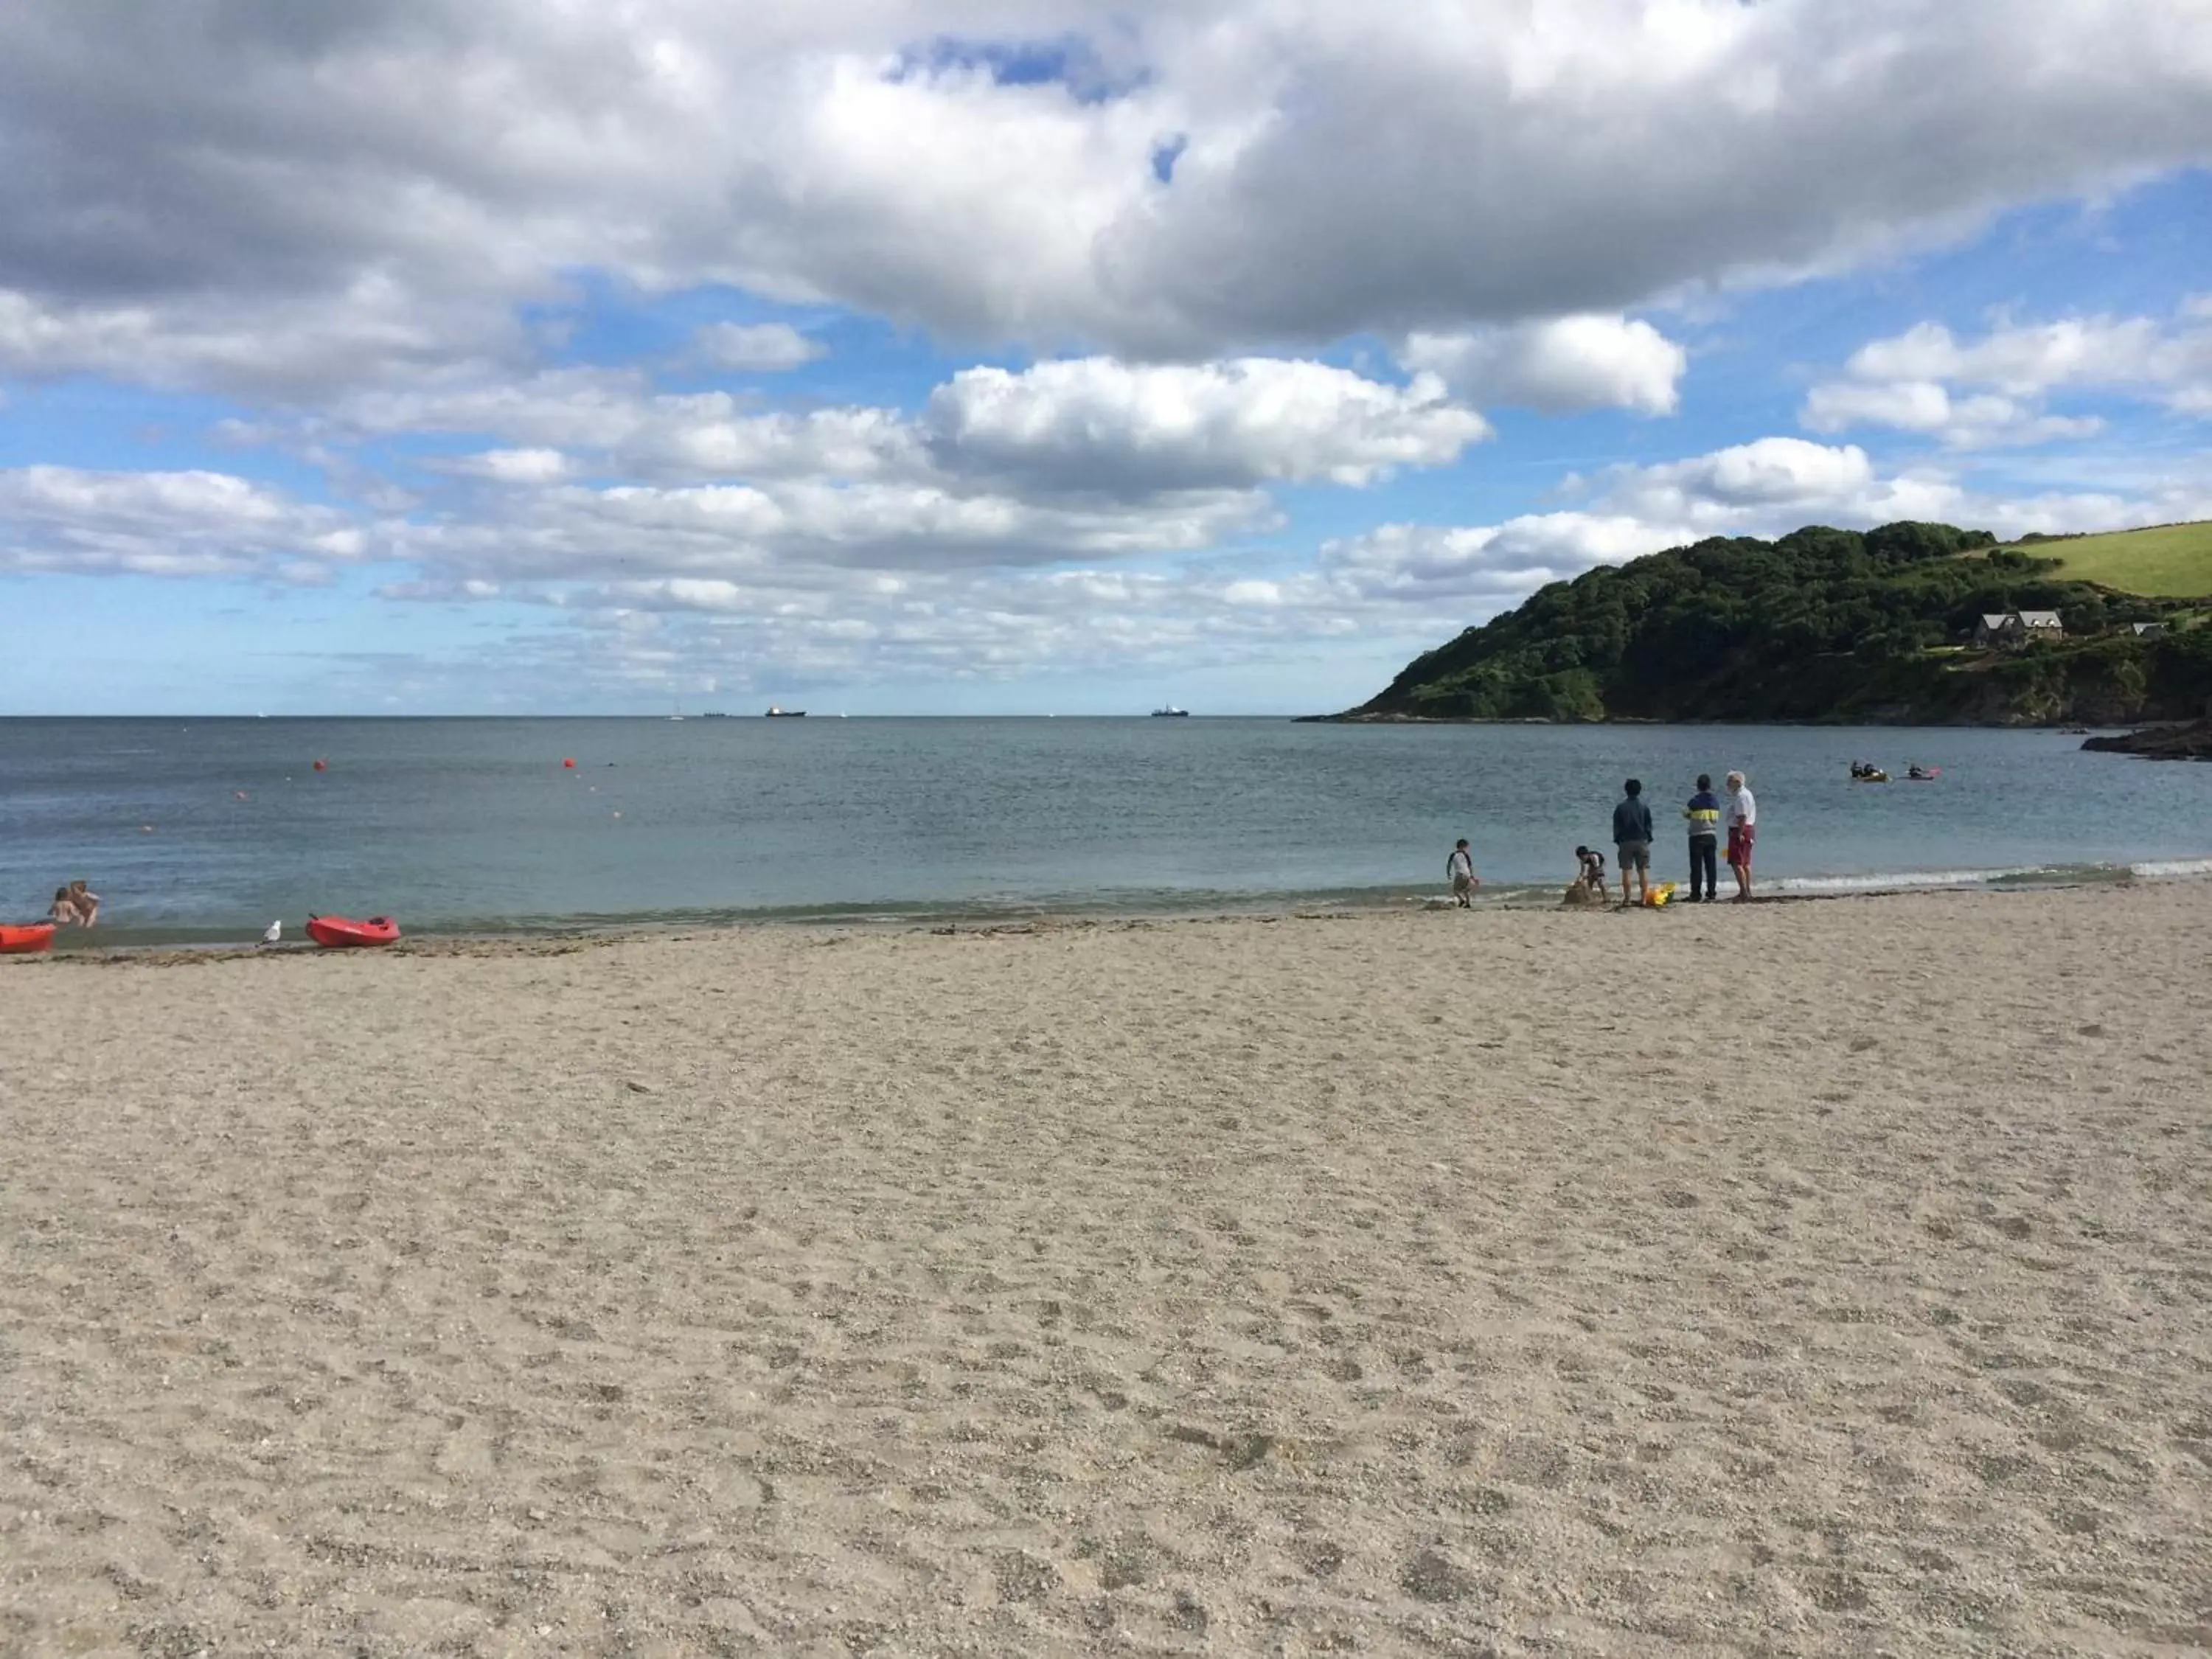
1704, 816
1632, 838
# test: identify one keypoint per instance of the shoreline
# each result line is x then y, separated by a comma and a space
1519, 900
1861, 720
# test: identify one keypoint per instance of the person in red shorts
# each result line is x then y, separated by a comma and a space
1742, 815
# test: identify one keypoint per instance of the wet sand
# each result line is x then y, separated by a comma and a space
1802, 1279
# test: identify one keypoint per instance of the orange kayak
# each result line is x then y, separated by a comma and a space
338, 931
27, 939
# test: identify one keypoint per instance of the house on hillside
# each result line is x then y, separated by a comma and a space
2147, 630
2017, 628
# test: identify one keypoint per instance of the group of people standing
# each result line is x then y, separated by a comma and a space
1708, 816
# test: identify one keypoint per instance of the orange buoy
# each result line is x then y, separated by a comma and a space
570, 763
322, 766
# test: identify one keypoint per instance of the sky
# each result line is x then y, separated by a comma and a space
552, 357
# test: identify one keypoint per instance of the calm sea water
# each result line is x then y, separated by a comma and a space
475, 825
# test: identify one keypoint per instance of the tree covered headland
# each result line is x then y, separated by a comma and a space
1820, 625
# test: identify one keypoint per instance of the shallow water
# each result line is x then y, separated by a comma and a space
475, 825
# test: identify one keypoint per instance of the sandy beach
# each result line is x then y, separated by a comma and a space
1820, 1278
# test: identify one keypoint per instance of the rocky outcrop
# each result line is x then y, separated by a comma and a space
2190, 742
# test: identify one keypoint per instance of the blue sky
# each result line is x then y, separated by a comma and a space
472, 359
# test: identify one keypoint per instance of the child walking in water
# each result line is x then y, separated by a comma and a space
1461, 868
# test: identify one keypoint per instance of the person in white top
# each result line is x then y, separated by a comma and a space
1461, 867
1742, 814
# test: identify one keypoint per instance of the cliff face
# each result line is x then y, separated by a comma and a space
1821, 625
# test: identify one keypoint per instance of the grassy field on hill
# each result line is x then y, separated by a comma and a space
2173, 560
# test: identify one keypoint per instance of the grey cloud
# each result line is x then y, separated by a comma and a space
784, 532
1607, 151
1428, 166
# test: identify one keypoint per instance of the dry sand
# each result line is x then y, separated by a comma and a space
1809, 1279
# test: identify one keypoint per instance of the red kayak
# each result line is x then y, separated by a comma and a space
336, 931
27, 940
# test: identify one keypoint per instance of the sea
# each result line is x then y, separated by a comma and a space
204, 830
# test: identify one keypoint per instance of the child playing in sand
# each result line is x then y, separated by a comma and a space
1589, 885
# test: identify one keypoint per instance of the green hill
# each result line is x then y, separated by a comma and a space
1822, 625
2170, 559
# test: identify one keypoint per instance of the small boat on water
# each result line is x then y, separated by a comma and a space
1170, 712
28, 940
777, 712
338, 933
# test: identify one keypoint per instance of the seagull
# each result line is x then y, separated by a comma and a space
273, 932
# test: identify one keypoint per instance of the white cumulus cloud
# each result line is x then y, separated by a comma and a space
1092, 423
519, 466
1558, 365
71, 520
764, 347
1994, 390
